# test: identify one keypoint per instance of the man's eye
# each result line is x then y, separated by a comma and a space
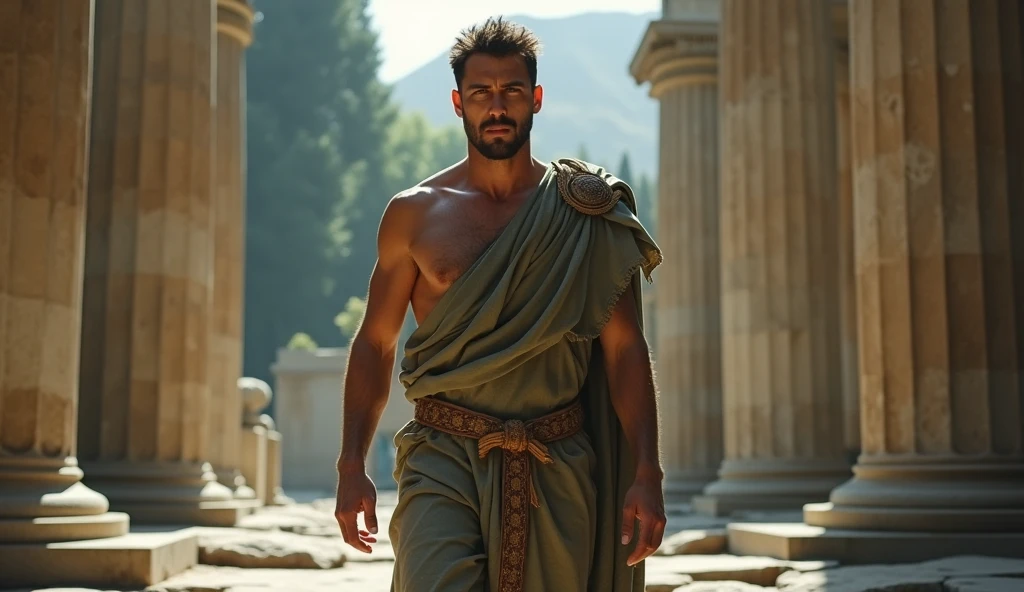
513, 90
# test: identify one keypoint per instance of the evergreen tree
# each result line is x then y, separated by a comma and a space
625, 171
316, 117
646, 203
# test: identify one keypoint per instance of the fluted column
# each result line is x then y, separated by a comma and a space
145, 412
44, 117
938, 140
844, 192
234, 34
782, 393
679, 59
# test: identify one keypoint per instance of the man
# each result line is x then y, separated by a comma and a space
532, 462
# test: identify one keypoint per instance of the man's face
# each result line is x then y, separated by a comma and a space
497, 104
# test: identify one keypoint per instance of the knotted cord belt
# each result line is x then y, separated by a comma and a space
518, 441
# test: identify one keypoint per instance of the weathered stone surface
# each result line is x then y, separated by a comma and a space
926, 577
314, 519
984, 585
298, 519
695, 542
372, 577
666, 582
761, 571
726, 586
268, 549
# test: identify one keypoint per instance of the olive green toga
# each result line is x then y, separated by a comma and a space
515, 338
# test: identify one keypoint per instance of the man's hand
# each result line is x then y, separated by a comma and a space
644, 502
356, 494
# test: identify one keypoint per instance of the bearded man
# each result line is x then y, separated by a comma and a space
532, 462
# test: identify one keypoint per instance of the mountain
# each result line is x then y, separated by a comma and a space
589, 97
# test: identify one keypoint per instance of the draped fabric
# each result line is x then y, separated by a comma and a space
515, 337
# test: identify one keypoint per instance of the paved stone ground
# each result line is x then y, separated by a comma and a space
298, 548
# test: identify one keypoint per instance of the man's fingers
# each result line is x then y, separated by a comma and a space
370, 514
659, 533
350, 532
629, 519
643, 541
343, 523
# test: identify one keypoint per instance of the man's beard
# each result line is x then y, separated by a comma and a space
499, 149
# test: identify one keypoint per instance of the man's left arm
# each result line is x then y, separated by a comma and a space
634, 397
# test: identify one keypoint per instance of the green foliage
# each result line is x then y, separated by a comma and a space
348, 320
317, 117
326, 150
625, 171
302, 341
647, 204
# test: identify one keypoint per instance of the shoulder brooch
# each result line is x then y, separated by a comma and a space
583, 190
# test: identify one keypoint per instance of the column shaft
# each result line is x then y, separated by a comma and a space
234, 22
679, 59
844, 190
145, 389
782, 394
938, 127
44, 118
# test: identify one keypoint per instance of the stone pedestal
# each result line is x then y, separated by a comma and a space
44, 117
938, 133
234, 34
275, 493
679, 59
145, 413
256, 395
782, 395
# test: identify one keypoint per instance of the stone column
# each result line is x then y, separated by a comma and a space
782, 394
844, 192
234, 34
145, 411
44, 118
679, 59
938, 139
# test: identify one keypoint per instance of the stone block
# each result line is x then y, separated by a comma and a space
938, 576
760, 571
695, 542
800, 542
131, 560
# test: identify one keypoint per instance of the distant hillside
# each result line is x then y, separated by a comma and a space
590, 98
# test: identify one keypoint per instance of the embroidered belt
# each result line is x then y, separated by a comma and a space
518, 441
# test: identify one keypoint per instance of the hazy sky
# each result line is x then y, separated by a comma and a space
413, 32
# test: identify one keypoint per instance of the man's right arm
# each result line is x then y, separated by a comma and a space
371, 361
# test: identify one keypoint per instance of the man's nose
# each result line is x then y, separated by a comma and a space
498, 105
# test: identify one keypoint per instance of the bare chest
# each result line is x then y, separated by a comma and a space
451, 243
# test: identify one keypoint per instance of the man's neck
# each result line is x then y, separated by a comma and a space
501, 178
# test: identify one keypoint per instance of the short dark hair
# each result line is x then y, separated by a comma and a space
495, 37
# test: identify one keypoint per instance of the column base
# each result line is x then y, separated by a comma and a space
134, 560
168, 493
233, 480
42, 500
682, 486
929, 494
769, 485
802, 542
